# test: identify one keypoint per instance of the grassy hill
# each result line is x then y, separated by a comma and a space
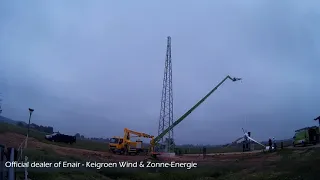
7, 120
83, 144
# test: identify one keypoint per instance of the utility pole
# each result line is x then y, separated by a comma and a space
0, 104
166, 111
318, 119
30, 114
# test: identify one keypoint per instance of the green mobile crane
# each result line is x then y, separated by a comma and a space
154, 142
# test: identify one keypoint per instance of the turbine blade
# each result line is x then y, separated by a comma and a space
234, 142
237, 140
228, 145
243, 131
255, 141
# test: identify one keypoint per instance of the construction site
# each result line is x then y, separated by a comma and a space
252, 156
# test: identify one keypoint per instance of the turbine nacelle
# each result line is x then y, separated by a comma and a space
246, 137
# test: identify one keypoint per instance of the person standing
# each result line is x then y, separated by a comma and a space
274, 143
243, 147
204, 151
270, 144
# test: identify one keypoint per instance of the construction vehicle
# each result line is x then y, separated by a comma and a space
248, 142
124, 145
154, 142
305, 136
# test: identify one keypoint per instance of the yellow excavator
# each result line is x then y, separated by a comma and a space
124, 145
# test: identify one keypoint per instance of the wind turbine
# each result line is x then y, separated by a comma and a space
246, 137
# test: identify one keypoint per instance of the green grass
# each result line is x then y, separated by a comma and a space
302, 165
298, 165
49, 155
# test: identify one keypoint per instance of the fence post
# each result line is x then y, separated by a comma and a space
25, 169
11, 170
2, 160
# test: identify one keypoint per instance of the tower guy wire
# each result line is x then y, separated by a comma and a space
166, 111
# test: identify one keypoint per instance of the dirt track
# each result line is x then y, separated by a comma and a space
227, 153
14, 140
304, 147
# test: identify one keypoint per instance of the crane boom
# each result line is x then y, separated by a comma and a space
139, 134
156, 139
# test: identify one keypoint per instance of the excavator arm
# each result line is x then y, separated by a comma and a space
160, 136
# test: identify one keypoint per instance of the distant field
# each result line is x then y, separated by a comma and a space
83, 144
221, 149
103, 146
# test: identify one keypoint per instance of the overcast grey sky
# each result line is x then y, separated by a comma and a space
96, 67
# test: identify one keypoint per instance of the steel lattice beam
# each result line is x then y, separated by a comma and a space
166, 111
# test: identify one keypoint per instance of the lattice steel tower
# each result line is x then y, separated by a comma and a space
166, 111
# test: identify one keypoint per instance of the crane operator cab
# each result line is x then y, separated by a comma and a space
115, 143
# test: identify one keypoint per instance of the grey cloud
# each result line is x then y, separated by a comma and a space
100, 65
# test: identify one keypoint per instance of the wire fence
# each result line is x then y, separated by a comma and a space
2, 160
12, 155
21, 156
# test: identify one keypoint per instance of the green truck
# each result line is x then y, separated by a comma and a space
305, 136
